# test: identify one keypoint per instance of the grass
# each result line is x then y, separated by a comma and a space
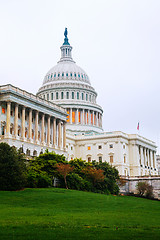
45, 214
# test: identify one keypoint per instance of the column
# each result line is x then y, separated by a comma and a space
151, 156
54, 132
23, 122
64, 135
141, 156
154, 159
145, 161
59, 135
147, 156
97, 119
89, 117
8, 118
42, 129
16, 120
86, 116
77, 116
48, 130
30, 125
82, 116
36, 127
70, 115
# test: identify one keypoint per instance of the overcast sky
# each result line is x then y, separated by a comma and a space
117, 42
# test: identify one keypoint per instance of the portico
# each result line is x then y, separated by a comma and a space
36, 122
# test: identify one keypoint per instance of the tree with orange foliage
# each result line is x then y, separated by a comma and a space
64, 170
96, 175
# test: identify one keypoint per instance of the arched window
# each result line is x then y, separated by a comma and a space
51, 96
47, 96
72, 95
63, 74
56, 95
61, 95
67, 95
77, 95
82, 96
66, 74
86, 97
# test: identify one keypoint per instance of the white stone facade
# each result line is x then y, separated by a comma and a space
131, 154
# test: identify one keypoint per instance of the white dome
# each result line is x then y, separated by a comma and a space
66, 70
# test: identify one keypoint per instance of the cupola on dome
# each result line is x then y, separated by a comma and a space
66, 68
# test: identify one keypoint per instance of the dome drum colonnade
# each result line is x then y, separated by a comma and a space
67, 85
30, 125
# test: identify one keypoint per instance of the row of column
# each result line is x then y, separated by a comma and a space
87, 117
42, 140
147, 157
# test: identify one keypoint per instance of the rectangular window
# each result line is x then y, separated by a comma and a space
79, 116
124, 159
51, 96
67, 95
72, 95
47, 96
89, 159
68, 117
100, 159
111, 159
3, 110
56, 95
111, 146
91, 118
89, 147
44, 96
73, 116
100, 147
61, 95
86, 97
94, 119
77, 95
90, 98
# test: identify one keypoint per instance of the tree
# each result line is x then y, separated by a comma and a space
64, 170
12, 168
42, 169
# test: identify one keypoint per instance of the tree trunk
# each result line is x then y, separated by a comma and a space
65, 182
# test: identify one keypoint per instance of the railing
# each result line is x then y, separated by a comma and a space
10, 87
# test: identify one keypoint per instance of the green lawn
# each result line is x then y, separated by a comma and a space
67, 214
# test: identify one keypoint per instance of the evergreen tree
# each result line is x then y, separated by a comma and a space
12, 168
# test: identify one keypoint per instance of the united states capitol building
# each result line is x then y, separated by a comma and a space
65, 117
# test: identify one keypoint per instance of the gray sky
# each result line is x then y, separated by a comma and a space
115, 41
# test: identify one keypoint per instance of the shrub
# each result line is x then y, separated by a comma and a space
144, 189
78, 183
35, 180
149, 191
